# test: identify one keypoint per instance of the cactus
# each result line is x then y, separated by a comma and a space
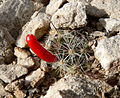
71, 48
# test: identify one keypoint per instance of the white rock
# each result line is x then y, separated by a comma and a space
53, 6
26, 62
21, 53
35, 78
103, 8
107, 51
71, 15
110, 24
37, 26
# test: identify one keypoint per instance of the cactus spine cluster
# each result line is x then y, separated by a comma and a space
71, 48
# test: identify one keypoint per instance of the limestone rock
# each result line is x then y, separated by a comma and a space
110, 24
75, 87
4, 93
35, 78
103, 8
53, 6
27, 62
8, 73
15, 14
107, 51
6, 49
21, 53
71, 15
18, 84
38, 26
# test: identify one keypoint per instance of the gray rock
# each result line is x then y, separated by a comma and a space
15, 14
110, 24
53, 6
35, 78
3, 93
37, 26
8, 73
71, 15
103, 8
107, 51
76, 87
6, 49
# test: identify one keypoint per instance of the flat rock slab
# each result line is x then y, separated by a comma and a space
107, 51
37, 26
8, 73
71, 15
75, 87
15, 13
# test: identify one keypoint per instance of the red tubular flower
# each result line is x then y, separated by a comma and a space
39, 50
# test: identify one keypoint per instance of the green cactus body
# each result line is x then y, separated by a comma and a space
71, 48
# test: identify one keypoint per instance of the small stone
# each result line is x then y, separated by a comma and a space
53, 6
35, 78
37, 26
110, 24
27, 62
96, 34
21, 53
107, 51
71, 15
18, 84
3, 93
19, 94
8, 73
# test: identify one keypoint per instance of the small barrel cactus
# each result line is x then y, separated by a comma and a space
71, 48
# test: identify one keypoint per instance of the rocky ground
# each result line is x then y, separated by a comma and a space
95, 25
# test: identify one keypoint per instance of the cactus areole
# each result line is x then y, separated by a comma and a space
40, 51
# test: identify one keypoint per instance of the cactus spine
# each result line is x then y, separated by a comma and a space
71, 48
